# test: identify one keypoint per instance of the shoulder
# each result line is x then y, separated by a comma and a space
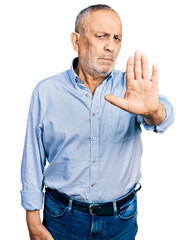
50, 83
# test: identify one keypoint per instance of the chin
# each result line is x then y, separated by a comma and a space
106, 70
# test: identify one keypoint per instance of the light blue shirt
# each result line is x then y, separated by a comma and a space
93, 147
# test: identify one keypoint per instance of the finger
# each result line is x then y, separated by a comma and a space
155, 73
130, 70
137, 69
119, 102
145, 67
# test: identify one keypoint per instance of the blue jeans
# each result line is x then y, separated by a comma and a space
65, 223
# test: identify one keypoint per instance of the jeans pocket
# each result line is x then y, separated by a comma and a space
129, 209
53, 207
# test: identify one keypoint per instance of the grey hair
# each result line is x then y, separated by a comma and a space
87, 11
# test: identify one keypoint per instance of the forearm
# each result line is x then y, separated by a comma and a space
36, 229
157, 117
33, 218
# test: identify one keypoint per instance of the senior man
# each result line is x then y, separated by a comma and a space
86, 123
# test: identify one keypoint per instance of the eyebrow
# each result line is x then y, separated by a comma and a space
108, 34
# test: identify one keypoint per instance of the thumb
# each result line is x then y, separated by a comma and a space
119, 102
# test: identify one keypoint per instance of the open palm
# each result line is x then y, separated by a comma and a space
141, 96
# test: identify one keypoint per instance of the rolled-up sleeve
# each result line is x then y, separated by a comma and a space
33, 160
161, 128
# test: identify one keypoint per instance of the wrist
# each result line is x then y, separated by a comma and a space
156, 117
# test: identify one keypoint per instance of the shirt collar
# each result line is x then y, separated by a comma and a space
75, 78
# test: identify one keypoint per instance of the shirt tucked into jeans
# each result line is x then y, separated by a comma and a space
93, 147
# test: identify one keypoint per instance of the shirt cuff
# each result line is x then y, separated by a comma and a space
32, 200
161, 128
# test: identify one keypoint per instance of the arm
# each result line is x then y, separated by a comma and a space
36, 229
32, 168
33, 159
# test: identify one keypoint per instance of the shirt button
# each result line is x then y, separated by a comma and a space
94, 161
94, 138
93, 114
86, 94
93, 184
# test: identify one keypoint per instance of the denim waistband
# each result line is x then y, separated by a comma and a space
98, 209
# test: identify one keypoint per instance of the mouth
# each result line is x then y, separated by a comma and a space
109, 60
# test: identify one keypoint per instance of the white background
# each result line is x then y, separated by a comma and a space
35, 44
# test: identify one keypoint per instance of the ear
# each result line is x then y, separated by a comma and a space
75, 40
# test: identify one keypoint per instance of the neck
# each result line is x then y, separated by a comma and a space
90, 81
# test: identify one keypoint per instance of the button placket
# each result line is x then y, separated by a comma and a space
94, 155
95, 141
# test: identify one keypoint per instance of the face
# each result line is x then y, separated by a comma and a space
100, 42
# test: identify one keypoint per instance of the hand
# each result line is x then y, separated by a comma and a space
36, 229
141, 96
39, 232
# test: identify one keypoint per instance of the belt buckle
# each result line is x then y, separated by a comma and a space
91, 208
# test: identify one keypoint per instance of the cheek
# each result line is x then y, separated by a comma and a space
118, 48
86, 50
84, 53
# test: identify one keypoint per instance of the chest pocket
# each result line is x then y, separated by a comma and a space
120, 125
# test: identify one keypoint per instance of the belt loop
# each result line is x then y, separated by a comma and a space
114, 208
140, 186
70, 206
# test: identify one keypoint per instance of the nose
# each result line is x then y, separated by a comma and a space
110, 46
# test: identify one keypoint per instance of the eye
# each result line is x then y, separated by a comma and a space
100, 36
117, 38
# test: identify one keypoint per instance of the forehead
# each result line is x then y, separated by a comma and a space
103, 21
